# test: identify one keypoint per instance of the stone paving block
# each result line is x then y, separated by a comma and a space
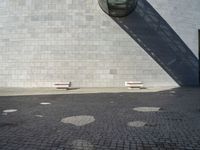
109, 131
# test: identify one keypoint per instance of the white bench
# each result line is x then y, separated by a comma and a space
65, 85
134, 84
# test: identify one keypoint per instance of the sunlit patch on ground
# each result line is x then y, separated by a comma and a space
82, 145
9, 110
45, 103
147, 109
5, 112
78, 120
172, 92
39, 116
136, 124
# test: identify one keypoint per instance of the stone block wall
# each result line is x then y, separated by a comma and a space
43, 42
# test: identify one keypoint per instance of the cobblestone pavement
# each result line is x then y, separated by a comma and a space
101, 121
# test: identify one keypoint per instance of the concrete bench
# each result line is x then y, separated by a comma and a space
134, 84
66, 85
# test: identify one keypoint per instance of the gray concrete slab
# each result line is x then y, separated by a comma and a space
4, 91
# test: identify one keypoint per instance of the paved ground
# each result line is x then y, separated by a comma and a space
101, 121
54, 91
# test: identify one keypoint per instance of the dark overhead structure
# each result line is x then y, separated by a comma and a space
118, 8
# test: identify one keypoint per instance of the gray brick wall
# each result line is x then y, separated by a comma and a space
43, 42
184, 17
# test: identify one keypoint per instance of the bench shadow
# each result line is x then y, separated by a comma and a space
162, 43
67, 88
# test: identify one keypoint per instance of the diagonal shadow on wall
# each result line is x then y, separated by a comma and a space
162, 43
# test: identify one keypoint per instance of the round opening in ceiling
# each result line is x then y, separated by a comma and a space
118, 8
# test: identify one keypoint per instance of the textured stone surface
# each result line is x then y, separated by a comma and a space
176, 127
82, 145
43, 42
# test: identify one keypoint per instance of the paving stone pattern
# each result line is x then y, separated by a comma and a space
175, 127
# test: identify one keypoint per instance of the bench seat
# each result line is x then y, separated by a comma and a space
65, 85
134, 84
